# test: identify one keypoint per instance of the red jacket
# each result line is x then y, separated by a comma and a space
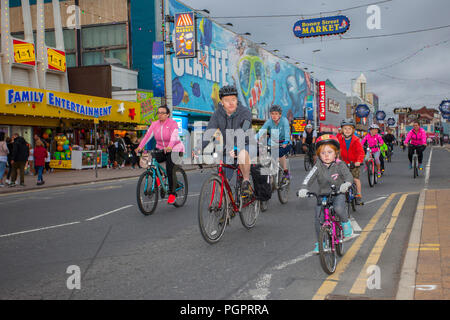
39, 154
355, 153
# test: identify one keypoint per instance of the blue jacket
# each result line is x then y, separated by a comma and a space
284, 133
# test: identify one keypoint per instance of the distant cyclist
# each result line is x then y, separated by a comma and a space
417, 139
165, 131
352, 151
280, 123
374, 141
389, 139
309, 139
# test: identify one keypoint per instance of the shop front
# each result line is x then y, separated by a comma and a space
70, 124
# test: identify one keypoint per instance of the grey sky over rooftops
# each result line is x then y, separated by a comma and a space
403, 70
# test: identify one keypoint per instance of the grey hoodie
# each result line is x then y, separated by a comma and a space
336, 174
220, 120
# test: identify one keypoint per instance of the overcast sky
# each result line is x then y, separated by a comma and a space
423, 78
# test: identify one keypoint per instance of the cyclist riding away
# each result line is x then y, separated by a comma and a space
352, 151
165, 131
231, 115
282, 139
417, 138
374, 141
309, 139
329, 171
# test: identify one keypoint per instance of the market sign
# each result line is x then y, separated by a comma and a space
56, 60
185, 42
445, 106
402, 110
380, 115
298, 126
391, 121
321, 26
24, 52
322, 101
362, 111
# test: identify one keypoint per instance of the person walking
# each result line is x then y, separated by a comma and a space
9, 143
111, 155
3, 157
120, 151
40, 153
18, 160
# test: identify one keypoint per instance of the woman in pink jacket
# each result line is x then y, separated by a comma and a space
165, 131
417, 139
374, 141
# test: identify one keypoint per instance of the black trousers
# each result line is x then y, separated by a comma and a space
419, 149
161, 157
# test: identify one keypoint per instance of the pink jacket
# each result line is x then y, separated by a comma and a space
416, 139
372, 141
166, 135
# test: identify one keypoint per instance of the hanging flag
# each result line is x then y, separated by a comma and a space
158, 69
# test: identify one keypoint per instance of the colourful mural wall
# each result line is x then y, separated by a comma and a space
149, 106
224, 58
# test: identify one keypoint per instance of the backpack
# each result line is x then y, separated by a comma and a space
262, 187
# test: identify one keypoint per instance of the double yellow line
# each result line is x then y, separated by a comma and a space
359, 286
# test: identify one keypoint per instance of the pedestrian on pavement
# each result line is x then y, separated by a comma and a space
9, 143
134, 143
19, 158
111, 155
3, 157
40, 153
47, 160
120, 151
30, 163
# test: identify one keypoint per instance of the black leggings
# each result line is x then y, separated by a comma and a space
419, 149
161, 157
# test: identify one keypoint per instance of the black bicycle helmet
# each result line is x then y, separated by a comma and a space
275, 108
348, 122
227, 91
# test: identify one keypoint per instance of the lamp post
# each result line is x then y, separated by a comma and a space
351, 92
314, 85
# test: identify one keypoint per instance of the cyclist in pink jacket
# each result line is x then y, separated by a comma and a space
165, 131
417, 139
374, 141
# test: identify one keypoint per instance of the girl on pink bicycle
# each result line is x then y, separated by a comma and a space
374, 141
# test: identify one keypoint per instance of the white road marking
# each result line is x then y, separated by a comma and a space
262, 287
373, 200
294, 261
427, 169
39, 229
355, 225
109, 212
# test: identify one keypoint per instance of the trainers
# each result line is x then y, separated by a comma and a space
171, 199
348, 230
12, 185
358, 199
316, 248
379, 174
246, 189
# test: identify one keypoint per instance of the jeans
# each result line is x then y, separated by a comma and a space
39, 170
2, 169
339, 209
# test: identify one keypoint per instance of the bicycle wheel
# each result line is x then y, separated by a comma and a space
283, 189
249, 211
416, 171
326, 253
147, 198
339, 237
308, 162
264, 205
181, 187
212, 219
370, 174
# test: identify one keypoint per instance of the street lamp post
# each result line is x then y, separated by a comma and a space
351, 92
314, 85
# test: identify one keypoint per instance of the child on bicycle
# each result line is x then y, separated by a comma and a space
374, 141
383, 155
351, 151
329, 171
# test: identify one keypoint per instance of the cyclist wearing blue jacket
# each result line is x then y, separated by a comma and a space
282, 139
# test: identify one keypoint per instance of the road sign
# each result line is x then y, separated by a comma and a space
402, 110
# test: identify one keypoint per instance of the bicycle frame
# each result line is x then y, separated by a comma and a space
157, 169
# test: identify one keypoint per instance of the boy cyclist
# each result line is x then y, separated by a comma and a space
352, 151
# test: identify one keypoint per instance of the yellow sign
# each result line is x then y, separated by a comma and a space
298, 125
18, 100
56, 59
61, 164
24, 52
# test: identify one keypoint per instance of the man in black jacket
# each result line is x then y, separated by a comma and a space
19, 158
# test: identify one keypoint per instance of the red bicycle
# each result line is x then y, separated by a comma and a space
217, 205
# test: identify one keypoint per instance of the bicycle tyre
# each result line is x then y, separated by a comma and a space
370, 174
264, 205
340, 245
140, 198
326, 253
212, 232
416, 173
183, 193
248, 213
283, 191
307, 162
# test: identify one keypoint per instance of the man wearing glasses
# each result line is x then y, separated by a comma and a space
165, 131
